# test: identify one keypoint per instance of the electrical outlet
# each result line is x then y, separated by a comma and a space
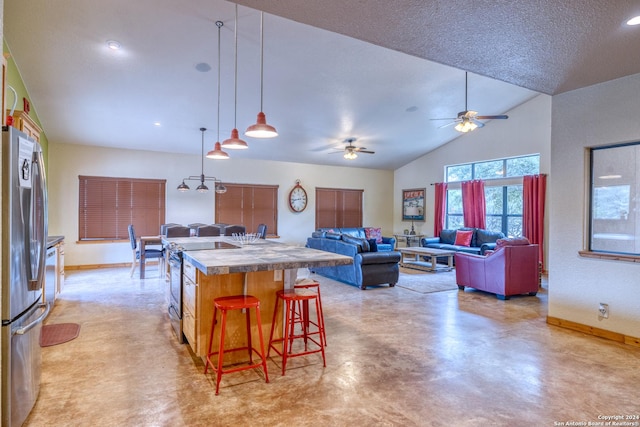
603, 310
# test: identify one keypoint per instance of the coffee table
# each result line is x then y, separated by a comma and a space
419, 252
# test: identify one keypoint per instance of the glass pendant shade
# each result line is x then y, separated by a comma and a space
234, 143
465, 126
220, 188
217, 153
183, 187
261, 129
202, 188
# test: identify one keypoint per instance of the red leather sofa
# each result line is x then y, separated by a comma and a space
512, 269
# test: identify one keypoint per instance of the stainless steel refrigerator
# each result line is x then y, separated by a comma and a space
24, 240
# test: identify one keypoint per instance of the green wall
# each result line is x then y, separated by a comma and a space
14, 79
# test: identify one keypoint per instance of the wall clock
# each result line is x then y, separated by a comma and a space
297, 198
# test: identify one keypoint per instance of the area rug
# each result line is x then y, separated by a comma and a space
426, 282
58, 333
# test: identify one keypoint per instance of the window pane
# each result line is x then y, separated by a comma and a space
493, 199
454, 221
614, 185
494, 223
514, 226
521, 166
459, 173
488, 170
454, 202
514, 200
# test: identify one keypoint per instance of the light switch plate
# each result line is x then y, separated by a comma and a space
277, 275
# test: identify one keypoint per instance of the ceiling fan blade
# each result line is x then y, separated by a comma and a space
477, 123
449, 124
503, 116
367, 151
446, 118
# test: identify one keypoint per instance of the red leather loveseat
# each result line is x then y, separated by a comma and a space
511, 269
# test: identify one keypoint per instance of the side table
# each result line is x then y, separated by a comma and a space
409, 239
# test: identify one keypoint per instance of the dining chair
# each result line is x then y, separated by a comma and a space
207, 230
148, 253
178, 231
237, 229
262, 231
163, 228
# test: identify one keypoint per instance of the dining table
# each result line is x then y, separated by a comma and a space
144, 241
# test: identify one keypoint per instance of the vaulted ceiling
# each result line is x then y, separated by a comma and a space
333, 70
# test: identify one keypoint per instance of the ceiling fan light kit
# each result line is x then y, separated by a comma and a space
469, 120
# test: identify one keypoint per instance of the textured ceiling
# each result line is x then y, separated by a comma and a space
549, 46
376, 71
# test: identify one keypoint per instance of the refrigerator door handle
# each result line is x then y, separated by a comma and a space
23, 330
37, 239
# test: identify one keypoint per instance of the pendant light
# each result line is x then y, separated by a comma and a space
261, 129
202, 187
235, 143
217, 152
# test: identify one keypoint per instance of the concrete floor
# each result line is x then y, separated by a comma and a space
394, 357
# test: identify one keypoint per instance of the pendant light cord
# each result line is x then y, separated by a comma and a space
261, 57
219, 24
235, 78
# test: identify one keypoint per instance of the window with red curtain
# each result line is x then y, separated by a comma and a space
108, 205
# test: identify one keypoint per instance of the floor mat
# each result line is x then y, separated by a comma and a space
58, 333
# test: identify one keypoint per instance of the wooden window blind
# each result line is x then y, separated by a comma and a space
249, 205
108, 205
338, 207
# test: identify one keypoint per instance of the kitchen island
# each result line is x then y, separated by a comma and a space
218, 266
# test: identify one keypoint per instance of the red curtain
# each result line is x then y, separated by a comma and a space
534, 188
473, 204
440, 208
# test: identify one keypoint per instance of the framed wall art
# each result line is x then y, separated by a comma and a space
413, 204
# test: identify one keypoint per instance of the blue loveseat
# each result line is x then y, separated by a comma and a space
481, 241
369, 267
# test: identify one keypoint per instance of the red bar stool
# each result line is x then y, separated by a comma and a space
224, 304
291, 297
312, 284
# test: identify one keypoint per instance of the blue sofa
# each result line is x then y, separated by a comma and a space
481, 241
368, 269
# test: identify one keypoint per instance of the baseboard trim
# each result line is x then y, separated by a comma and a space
590, 330
95, 266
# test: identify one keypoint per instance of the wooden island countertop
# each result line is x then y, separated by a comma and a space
262, 255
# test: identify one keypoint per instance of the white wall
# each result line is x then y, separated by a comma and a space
601, 114
527, 131
68, 161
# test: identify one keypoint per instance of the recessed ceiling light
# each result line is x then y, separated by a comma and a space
157, 124
634, 21
113, 45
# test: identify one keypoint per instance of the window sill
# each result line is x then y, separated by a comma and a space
93, 242
612, 257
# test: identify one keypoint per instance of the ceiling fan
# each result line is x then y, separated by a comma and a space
351, 151
468, 120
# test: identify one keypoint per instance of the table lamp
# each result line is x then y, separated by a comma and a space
413, 212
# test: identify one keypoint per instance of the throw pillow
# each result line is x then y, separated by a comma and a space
463, 238
373, 245
362, 244
373, 233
